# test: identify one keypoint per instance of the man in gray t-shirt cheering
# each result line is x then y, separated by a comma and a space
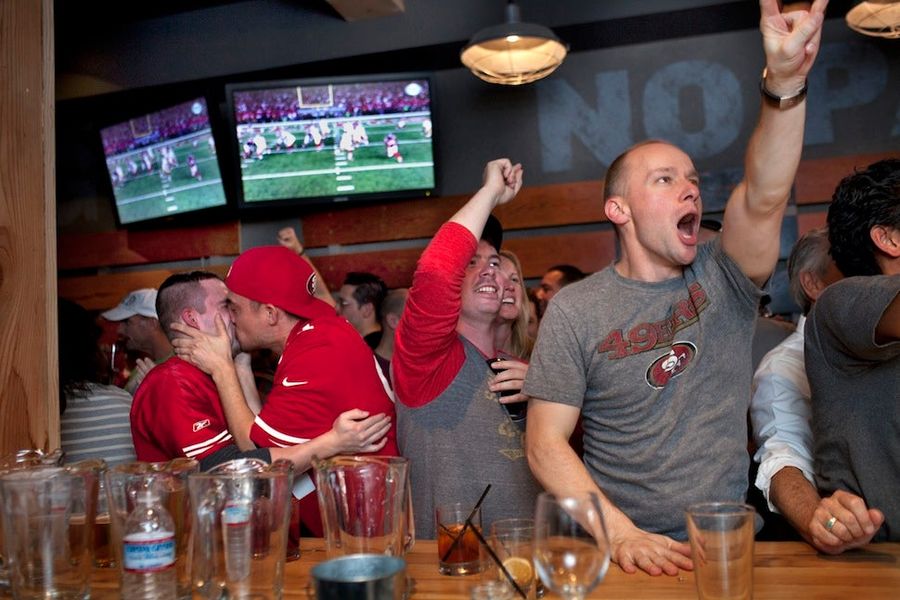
654, 351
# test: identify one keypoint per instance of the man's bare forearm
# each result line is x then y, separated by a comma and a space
795, 498
302, 455
237, 414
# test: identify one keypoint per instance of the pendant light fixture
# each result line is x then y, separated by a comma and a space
513, 53
879, 18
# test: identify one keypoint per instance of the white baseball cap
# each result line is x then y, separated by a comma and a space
138, 302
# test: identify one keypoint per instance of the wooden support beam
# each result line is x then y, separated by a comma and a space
29, 398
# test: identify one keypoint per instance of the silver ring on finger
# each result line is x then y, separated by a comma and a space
829, 524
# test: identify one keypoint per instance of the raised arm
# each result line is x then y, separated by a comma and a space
753, 216
560, 471
502, 180
287, 237
427, 353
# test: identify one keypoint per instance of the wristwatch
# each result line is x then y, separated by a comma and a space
780, 102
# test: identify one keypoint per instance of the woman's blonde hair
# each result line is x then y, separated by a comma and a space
520, 343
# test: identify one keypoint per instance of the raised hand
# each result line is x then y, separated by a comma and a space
141, 367
287, 237
791, 42
503, 179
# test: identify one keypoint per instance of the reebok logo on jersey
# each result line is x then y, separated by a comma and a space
287, 383
201, 425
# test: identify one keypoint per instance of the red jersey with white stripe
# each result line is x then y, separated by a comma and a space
176, 412
326, 369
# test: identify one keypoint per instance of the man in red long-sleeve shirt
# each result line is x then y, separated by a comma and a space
451, 423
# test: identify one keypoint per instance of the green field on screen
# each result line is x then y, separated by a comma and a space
308, 172
147, 196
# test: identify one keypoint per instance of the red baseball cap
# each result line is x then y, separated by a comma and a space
277, 275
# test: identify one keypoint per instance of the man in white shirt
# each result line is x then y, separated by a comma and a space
780, 409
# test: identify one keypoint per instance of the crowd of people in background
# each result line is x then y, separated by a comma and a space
329, 101
478, 380
175, 122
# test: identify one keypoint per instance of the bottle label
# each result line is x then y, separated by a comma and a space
148, 552
236, 514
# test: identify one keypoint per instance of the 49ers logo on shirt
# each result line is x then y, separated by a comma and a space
670, 365
311, 284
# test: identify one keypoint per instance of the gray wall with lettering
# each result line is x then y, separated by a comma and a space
700, 93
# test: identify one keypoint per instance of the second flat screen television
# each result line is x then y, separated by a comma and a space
320, 140
163, 163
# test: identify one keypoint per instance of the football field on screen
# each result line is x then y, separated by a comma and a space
147, 196
308, 172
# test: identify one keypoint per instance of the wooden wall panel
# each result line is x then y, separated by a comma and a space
589, 251
387, 225
538, 206
817, 178
402, 220
395, 267
29, 404
145, 247
807, 221
100, 292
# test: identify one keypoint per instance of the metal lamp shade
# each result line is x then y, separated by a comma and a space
879, 18
513, 53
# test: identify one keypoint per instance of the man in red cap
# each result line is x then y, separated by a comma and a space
325, 367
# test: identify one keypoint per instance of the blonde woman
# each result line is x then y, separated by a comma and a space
512, 332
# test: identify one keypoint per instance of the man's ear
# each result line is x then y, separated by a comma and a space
189, 316
367, 309
272, 312
812, 285
392, 320
886, 239
616, 211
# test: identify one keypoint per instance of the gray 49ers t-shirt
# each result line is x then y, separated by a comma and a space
661, 372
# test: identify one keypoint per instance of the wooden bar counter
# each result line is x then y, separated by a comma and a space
783, 571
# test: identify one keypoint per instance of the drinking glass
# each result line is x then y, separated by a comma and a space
721, 535
123, 485
512, 541
571, 548
459, 550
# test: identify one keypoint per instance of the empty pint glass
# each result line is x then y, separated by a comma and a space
14, 461
48, 519
365, 504
721, 535
241, 513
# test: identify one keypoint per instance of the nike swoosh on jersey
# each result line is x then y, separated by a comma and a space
287, 383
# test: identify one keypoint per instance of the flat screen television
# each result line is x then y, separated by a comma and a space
163, 163
315, 141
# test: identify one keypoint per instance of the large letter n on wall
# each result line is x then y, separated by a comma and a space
563, 116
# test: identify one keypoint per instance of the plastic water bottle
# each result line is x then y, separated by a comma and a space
149, 551
237, 533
